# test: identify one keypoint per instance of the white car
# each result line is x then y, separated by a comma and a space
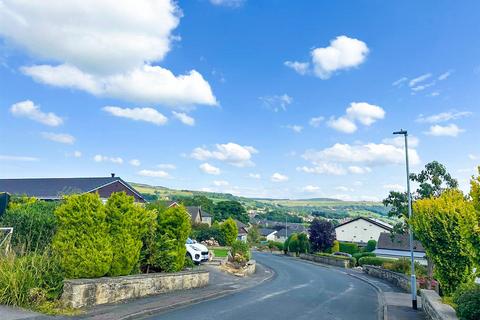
196, 251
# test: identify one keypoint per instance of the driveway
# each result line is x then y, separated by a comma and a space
299, 290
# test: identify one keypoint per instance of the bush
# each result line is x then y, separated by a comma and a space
241, 249
34, 224
128, 223
348, 247
322, 234
303, 243
82, 242
359, 255
335, 247
24, 278
374, 261
274, 245
229, 230
468, 302
165, 246
371, 245
203, 232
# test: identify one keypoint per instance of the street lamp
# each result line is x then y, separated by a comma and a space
413, 280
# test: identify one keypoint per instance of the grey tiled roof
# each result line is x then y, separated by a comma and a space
399, 242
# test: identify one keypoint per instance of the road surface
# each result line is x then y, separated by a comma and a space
299, 290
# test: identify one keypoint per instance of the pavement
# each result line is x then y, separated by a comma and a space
282, 288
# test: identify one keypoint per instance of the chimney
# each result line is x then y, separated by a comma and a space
113, 175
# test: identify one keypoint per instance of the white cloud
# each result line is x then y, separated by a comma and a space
254, 175
434, 94
228, 3
445, 75
138, 114
359, 170
77, 154
101, 158
300, 67
59, 137
324, 168
208, 168
153, 173
135, 162
4, 157
295, 128
278, 177
343, 189
419, 79
167, 166
473, 157
230, 153
399, 82
311, 189
361, 112
184, 118
423, 86
371, 154
443, 116
450, 130
394, 187
220, 183
343, 53
399, 141
28, 109
316, 121
277, 102
146, 84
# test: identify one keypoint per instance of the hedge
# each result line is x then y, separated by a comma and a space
373, 261
468, 302
359, 255
349, 247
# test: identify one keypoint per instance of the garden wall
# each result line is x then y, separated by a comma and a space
325, 260
398, 279
434, 308
81, 293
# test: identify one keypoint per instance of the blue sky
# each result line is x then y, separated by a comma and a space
258, 98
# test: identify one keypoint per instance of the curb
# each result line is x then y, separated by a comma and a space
383, 311
213, 296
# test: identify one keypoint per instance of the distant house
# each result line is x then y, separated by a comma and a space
56, 188
398, 246
360, 230
269, 234
242, 229
206, 218
195, 214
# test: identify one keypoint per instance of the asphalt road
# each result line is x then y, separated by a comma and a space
299, 290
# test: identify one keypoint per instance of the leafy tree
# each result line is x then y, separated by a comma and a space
433, 180
475, 196
200, 201
229, 230
128, 223
82, 242
444, 225
253, 236
398, 203
322, 235
291, 244
34, 224
303, 244
371, 245
230, 209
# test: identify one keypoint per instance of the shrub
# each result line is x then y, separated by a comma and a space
274, 245
204, 232
303, 243
373, 261
242, 249
348, 247
128, 224
292, 244
23, 278
359, 255
322, 234
34, 225
335, 247
82, 242
371, 245
165, 245
468, 302
229, 230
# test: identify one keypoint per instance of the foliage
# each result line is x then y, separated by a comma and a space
297, 242
433, 180
322, 235
22, 278
475, 196
398, 204
19, 201
220, 252
279, 215
303, 243
229, 231
82, 241
202, 232
275, 245
349, 247
34, 224
371, 246
359, 255
335, 247
445, 225
468, 303
253, 235
230, 209
199, 201
242, 249
128, 224
165, 246
373, 261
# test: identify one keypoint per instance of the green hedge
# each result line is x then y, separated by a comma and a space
359, 255
349, 247
373, 261
467, 299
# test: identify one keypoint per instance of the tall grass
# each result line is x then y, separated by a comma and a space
30, 280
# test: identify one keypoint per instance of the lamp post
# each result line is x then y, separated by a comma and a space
413, 280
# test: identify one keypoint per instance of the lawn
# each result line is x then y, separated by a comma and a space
220, 252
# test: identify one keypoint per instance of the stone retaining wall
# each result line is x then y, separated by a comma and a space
325, 260
398, 279
434, 308
80, 293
